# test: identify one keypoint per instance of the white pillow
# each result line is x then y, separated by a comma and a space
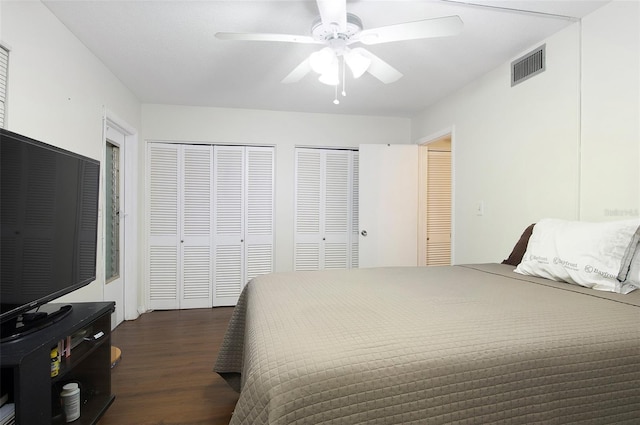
594, 255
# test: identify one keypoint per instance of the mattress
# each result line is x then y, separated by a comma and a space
471, 344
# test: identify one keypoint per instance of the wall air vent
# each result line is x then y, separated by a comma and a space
525, 67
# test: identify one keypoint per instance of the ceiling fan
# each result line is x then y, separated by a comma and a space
337, 30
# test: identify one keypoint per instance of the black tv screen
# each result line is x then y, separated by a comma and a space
49, 223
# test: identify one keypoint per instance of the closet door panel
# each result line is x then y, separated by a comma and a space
354, 209
228, 223
324, 223
211, 222
259, 203
438, 208
308, 209
197, 279
336, 209
164, 237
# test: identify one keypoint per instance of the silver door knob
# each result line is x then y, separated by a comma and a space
363, 233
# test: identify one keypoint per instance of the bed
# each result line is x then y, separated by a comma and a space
466, 344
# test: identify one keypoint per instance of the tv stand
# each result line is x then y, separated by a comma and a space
30, 322
26, 366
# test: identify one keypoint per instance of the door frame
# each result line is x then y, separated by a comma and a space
422, 143
128, 217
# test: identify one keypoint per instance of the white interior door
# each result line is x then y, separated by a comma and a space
388, 205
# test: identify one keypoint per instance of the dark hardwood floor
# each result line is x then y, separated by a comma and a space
165, 375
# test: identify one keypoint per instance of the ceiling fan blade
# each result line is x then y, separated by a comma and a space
298, 73
287, 38
436, 27
333, 12
379, 68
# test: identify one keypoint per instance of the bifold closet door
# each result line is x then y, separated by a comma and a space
243, 218
210, 222
325, 202
180, 224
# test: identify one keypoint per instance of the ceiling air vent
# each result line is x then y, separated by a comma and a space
527, 66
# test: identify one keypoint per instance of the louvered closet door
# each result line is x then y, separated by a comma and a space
438, 208
164, 238
324, 222
243, 218
210, 222
354, 209
259, 201
308, 209
228, 223
179, 269
196, 239
337, 211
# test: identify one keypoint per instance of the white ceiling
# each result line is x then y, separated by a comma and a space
166, 51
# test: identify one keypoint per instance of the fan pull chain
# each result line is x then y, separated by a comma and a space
344, 78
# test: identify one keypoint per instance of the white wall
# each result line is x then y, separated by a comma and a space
57, 93
562, 144
610, 165
284, 130
515, 149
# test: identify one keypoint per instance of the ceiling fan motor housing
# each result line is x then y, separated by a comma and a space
333, 35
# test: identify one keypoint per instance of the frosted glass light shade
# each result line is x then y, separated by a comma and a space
331, 76
357, 62
322, 60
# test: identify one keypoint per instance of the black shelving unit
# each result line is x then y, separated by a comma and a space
26, 367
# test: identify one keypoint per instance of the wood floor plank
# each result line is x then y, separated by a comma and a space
165, 375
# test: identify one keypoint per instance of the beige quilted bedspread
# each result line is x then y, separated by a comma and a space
439, 345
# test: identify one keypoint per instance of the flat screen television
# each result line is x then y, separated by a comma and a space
49, 223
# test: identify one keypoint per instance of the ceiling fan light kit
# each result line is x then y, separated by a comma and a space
337, 29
